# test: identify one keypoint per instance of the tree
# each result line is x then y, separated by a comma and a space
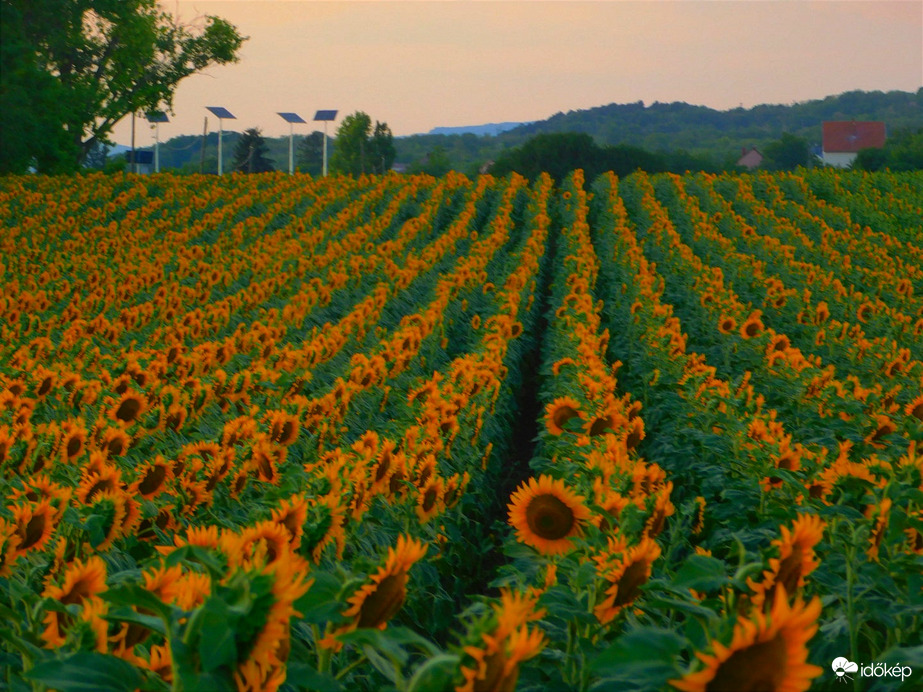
787, 153
381, 148
73, 68
311, 153
359, 150
250, 154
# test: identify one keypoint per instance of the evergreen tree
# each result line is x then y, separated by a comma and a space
250, 154
310, 158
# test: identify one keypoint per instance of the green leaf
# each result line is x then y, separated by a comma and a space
435, 673
304, 677
643, 656
87, 671
216, 635
135, 595
321, 603
379, 640
701, 573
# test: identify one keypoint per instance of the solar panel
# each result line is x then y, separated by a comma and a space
292, 118
157, 117
325, 115
220, 112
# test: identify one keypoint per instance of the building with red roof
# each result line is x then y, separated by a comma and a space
844, 138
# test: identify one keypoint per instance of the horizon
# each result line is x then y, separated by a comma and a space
417, 65
332, 134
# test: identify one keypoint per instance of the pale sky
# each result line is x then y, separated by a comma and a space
419, 64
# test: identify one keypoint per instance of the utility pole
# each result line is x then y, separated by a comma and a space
202, 156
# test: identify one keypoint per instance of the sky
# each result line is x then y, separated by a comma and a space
420, 64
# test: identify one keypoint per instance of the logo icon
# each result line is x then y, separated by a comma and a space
841, 666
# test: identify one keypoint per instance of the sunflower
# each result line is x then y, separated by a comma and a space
546, 514
795, 562
34, 524
558, 412
114, 442
497, 661
82, 581
915, 408
753, 326
129, 407
626, 576
430, 500
292, 514
284, 427
881, 513
864, 311
604, 424
727, 325
383, 595
883, 426
152, 477
73, 439
767, 652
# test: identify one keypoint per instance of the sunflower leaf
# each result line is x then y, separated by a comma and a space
87, 671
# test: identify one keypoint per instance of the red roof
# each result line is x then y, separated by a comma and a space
851, 135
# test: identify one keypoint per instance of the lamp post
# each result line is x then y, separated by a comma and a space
291, 119
222, 114
326, 117
155, 118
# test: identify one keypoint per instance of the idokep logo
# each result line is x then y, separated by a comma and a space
843, 667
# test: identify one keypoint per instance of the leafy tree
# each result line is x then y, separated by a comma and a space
903, 151
786, 153
435, 162
250, 154
73, 68
381, 147
310, 158
360, 150
97, 156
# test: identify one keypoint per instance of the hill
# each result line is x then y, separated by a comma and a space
658, 127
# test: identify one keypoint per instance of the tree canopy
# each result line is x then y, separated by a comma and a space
360, 149
251, 155
71, 69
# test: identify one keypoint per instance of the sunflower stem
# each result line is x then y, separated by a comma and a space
350, 667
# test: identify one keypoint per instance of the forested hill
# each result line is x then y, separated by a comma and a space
699, 128
662, 127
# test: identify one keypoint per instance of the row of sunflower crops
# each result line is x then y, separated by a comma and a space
401, 432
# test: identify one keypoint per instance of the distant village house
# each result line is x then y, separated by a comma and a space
844, 138
750, 158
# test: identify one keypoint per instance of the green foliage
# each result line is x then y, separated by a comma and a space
74, 68
903, 151
360, 149
786, 153
310, 156
250, 154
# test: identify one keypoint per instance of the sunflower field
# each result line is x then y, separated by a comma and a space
422, 434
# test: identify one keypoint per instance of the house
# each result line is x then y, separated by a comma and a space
844, 138
750, 158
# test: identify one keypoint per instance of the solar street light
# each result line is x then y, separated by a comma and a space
155, 118
222, 114
325, 116
291, 119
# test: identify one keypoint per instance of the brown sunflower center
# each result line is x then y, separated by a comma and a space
34, 531
757, 668
74, 445
128, 410
630, 583
549, 517
152, 479
563, 414
790, 569
380, 605
601, 425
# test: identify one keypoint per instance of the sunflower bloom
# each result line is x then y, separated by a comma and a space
626, 576
767, 652
795, 562
82, 581
546, 514
383, 595
558, 412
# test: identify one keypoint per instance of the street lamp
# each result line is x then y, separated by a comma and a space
326, 117
291, 119
157, 117
222, 114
